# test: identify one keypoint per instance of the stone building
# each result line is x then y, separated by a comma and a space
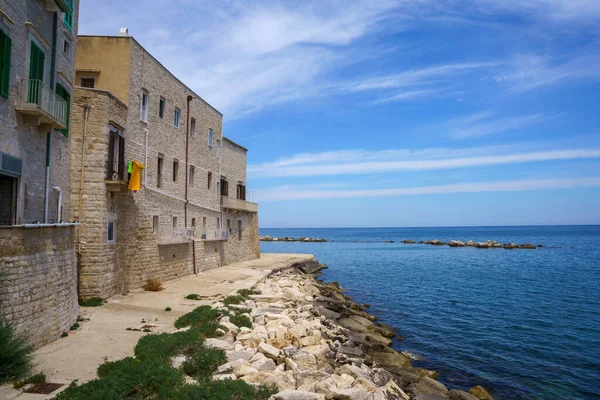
38, 279
190, 212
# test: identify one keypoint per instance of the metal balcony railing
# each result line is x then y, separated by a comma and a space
38, 99
217, 234
237, 204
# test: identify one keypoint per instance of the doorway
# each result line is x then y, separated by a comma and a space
8, 200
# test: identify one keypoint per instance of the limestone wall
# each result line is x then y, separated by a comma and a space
38, 281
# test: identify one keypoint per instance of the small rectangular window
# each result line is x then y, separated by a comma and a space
239, 229
192, 171
218, 223
155, 224
111, 231
144, 107
229, 226
159, 170
192, 126
176, 118
210, 138
218, 149
88, 82
161, 108
209, 179
175, 170
174, 222
193, 222
5, 53
203, 224
67, 47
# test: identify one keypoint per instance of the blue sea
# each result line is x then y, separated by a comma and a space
525, 324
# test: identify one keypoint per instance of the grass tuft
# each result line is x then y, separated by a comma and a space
248, 292
204, 362
168, 309
193, 296
75, 326
91, 302
15, 355
153, 285
235, 299
241, 320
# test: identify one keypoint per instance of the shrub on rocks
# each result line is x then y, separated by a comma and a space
153, 285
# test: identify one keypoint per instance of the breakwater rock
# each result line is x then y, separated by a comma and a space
290, 239
312, 342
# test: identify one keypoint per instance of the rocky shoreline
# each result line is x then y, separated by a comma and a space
490, 244
314, 343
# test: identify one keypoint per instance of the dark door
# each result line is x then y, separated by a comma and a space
8, 200
36, 74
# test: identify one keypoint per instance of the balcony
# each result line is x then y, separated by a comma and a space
216, 235
65, 6
229, 203
38, 100
176, 236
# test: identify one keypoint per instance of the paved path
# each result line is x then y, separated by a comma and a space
105, 335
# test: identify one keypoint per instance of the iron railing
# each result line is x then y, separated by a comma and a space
217, 234
35, 94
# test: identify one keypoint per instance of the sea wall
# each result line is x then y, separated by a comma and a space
38, 281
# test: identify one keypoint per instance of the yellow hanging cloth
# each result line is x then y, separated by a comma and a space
136, 176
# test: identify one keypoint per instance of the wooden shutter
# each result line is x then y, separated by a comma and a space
111, 156
121, 158
5, 53
36, 62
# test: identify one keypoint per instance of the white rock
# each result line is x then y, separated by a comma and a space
269, 351
223, 377
320, 350
177, 361
297, 395
239, 355
264, 365
352, 394
305, 361
218, 344
243, 370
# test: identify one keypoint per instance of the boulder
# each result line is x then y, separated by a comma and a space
356, 393
297, 395
239, 355
456, 243
527, 246
353, 371
460, 395
389, 358
480, 393
265, 364
428, 386
303, 361
327, 313
408, 241
430, 397
218, 344
305, 378
469, 243
269, 351
224, 377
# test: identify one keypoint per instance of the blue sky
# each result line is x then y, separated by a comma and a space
393, 113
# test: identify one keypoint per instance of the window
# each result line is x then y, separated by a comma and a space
64, 94
218, 223
88, 82
161, 108
69, 21
5, 52
111, 232
8, 194
210, 138
159, 169
203, 225
176, 119
174, 222
209, 179
240, 191
67, 47
116, 156
192, 126
175, 170
229, 226
224, 186
155, 224
193, 222
239, 229
192, 170
36, 74
144, 107
218, 149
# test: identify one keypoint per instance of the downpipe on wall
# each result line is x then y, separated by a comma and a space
49, 134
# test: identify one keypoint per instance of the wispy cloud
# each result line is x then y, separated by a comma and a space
299, 193
343, 167
487, 123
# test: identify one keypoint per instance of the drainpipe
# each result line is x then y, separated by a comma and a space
187, 148
59, 208
86, 114
48, 134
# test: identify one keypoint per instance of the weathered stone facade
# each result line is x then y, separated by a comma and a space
38, 276
38, 281
174, 225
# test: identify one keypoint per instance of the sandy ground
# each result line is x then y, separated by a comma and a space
105, 336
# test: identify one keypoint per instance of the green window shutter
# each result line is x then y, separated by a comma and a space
36, 62
63, 93
69, 21
5, 52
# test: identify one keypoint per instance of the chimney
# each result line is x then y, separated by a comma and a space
124, 32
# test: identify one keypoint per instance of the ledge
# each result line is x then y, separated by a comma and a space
36, 226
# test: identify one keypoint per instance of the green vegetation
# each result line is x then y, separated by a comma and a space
235, 299
33, 379
168, 309
150, 375
15, 355
64, 335
91, 302
75, 326
248, 292
241, 320
193, 296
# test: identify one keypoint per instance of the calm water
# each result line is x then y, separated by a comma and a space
523, 323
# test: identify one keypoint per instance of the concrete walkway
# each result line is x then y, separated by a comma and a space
105, 336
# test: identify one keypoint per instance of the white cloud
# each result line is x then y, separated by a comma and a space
486, 123
283, 193
333, 163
